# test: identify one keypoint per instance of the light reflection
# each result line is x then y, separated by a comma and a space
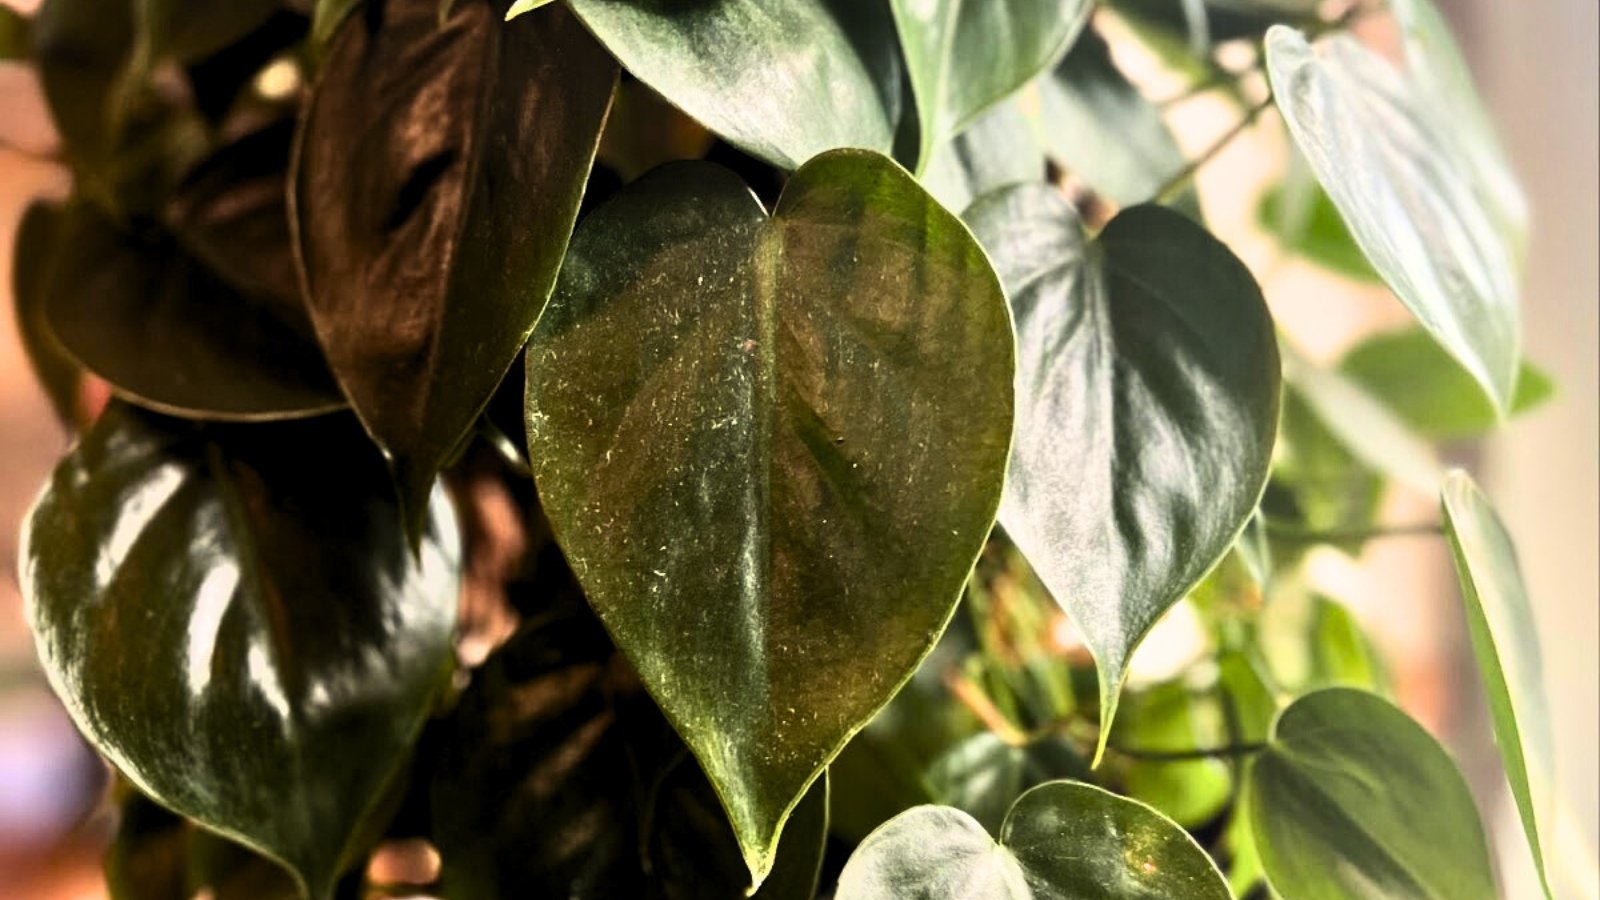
211, 602
134, 515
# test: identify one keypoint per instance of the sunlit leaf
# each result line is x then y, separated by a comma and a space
1353, 799
772, 447
1506, 642
1147, 386
233, 618
440, 171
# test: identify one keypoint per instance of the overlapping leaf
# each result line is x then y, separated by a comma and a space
58, 373
1506, 642
1001, 148
440, 172
234, 619
1353, 799
1147, 386
772, 447
1415, 194
964, 56
1060, 840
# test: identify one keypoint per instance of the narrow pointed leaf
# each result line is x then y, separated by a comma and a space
440, 172
964, 57
1353, 799
1147, 386
1410, 190
166, 333
234, 619
782, 80
1061, 840
772, 447
1506, 642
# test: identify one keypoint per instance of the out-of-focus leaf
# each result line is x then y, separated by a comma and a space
782, 80
158, 855
440, 172
1505, 641
645, 131
1303, 219
1341, 653
1429, 390
166, 333
1165, 719
1097, 124
1061, 839
35, 248
16, 37
1409, 187
1219, 20
963, 58
1000, 148
772, 446
1353, 799
234, 619
1147, 378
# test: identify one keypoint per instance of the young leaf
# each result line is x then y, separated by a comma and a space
1061, 839
167, 334
629, 815
1429, 390
963, 58
439, 176
1353, 799
233, 618
782, 80
1097, 124
1397, 171
1504, 639
772, 447
1147, 385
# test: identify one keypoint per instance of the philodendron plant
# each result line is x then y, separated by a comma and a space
694, 449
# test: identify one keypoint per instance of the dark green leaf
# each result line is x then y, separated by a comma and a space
558, 776
1412, 192
1506, 643
165, 332
1098, 125
158, 855
1000, 148
188, 30
963, 58
16, 38
1353, 799
772, 447
440, 172
782, 80
1060, 840
1147, 378
1428, 389
233, 618
58, 373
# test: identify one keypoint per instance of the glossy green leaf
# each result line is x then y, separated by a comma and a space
1429, 390
782, 80
558, 776
34, 249
288, 645
1097, 124
1506, 643
962, 58
772, 447
16, 38
166, 333
1400, 172
1353, 799
999, 149
439, 176
1061, 840
1147, 385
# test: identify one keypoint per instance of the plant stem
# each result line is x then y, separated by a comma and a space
1300, 535
1183, 176
978, 703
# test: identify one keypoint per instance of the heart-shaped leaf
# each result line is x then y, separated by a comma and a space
1413, 193
557, 776
1506, 643
1429, 390
1062, 839
1353, 799
782, 80
165, 332
963, 58
233, 618
999, 149
1147, 403
772, 447
440, 171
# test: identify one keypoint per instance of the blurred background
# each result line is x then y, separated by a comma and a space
1537, 62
